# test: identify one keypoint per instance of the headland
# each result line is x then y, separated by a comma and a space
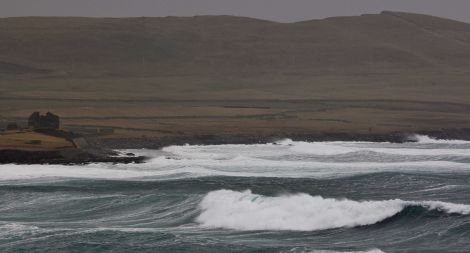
42, 142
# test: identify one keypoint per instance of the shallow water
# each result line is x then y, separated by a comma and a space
281, 197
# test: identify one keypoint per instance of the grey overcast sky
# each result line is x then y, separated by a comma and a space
277, 10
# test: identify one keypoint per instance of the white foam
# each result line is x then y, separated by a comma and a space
421, 148
15, 229
165, 169
427, 139
287, 158
332, 251
295, 250
323, 148
17, 172
301, 212
341, 148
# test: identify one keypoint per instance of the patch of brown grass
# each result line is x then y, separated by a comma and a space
25, 140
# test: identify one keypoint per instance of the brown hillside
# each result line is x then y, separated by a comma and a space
180, 75
222, 44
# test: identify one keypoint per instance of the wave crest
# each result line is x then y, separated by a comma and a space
431, 140
302, 212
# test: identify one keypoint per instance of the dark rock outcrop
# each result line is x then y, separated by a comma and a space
65, 157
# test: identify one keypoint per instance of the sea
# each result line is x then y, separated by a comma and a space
287, 196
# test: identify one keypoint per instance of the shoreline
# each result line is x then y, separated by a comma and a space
223, 139
102, 149
63, 157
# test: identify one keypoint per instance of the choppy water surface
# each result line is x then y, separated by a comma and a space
281, 197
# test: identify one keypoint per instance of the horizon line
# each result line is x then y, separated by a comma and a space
384, 12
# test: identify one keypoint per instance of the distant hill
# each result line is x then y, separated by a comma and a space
214, 45
215, 75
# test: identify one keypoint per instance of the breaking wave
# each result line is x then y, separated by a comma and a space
430, 140
283, 159
302, 212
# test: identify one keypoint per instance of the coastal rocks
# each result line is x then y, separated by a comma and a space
65, 157
45, 143
28, 157
164, 141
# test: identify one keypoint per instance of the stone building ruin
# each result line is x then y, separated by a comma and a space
49, 121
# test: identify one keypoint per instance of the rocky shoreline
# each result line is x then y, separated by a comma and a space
158, 143
63, 157
102, 149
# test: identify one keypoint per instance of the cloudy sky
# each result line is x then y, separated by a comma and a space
277, 10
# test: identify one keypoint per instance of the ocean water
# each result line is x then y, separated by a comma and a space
279, 197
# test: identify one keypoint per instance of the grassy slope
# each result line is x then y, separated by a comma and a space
22, 140
204, 75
